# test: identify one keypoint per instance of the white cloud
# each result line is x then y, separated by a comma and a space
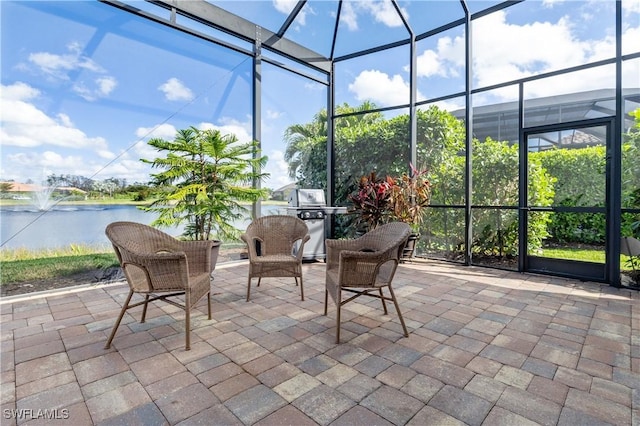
25, 125
348, 16
381, 11
142, 150
65, 120
106, 85
286, 6
631, 6
100, 88
133, 170
549, 46
58, 67
382, 89
175, 90
37, 139
499, 56
273, 115
163, 131
522, 50
23, 166
551, 3
277, 168
18, 91
242, 130
428, 64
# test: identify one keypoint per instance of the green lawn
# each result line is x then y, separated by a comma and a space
45, 268
582, 254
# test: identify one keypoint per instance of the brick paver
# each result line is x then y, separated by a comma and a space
486, 347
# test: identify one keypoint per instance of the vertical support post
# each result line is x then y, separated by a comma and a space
331, 158
523, 181
331, 152
413, 97
468, 226
614, 166
257, 109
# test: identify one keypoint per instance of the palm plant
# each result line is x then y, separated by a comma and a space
306, 151
209, 177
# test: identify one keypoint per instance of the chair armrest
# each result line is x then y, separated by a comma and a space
300, 251
155, 272
335, 247
251, 244
199, 254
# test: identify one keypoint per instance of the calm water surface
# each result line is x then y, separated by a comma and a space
27, 227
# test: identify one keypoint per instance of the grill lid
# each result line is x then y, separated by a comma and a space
307, 198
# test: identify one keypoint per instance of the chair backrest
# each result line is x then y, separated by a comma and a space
388, 236
630, 246
137, 238
135, 244
387, 241
277, 234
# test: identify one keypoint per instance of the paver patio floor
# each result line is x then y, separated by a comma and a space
486, 347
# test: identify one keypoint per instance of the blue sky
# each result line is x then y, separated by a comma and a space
84, 85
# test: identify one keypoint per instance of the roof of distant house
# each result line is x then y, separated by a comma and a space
287, 187
30, 187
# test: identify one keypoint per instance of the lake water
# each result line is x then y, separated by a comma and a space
26, 227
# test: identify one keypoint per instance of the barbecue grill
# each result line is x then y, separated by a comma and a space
310, 205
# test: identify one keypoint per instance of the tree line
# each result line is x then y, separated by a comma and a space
93, 188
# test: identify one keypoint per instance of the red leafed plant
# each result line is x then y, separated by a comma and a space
404, 199
371, 200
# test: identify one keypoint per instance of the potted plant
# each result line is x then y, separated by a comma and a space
370, 202
205, 174
409, 197
405, 199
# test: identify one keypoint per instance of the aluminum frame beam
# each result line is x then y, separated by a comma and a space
222, 20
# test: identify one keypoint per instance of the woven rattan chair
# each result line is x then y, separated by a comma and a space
364, 266
158, 266
630, 246
275, 244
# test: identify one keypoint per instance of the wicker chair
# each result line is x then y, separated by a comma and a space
275, 244
159, 266
364, 266
630, 246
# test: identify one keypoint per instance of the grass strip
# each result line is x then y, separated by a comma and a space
17, 271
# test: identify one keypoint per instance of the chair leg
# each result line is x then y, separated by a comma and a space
144, 309
301, 288
187, 321
338, 306
384, 304
209, 303
326, 299
395, 302
248, 288
117, 324
338, 323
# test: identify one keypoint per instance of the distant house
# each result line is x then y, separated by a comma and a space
17, 187
282, 194
20, 187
